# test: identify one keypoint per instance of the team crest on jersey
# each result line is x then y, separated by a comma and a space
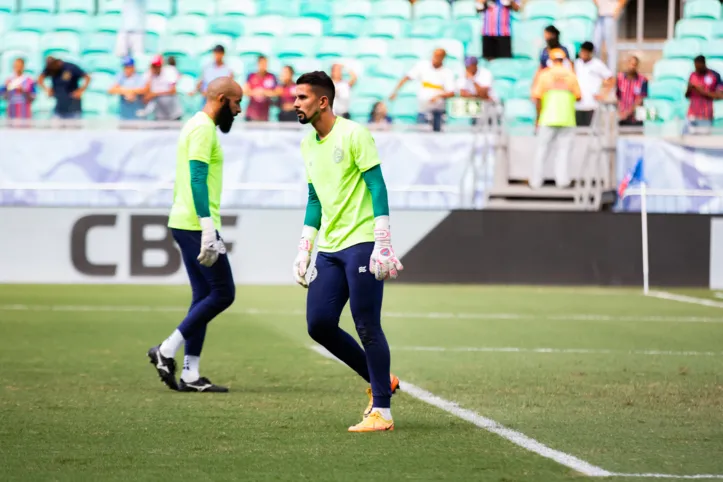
338, 154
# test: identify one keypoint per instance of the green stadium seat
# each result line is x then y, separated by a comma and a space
459, 30
575, 30
186, 25
715, 64
98, 43
28, 42
45, 6
243, 8
685, 48
72, 22
405, 110
203, 8
505, 69
7, 21
235, 64
101, 62
522, 89
462, 9
666, 110
7, 58
189, 65
303, 65
95, 104
703, 9
672, 69
713, 49
269, 25
206, 43
160, 7
349, 27
360, 9
519, 112
156, 24
179, 45
434, 9
60, 43
304, 27
8, 6
718, 109
389, 28
77, 6
254, 46
370, 48
425, 28
230, 25
100, 81
106, 23
694, 28
388, 70
398, 10
320, 9
34, 22
670, 89
503, 89
359, 109
285, 8
581, 9
542, 10
529, 29
43, 106
296, 48
110, 7
454, 49
333, 47
409, 49
524, 49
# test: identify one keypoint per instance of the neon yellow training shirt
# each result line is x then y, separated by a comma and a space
198, 142
334, 165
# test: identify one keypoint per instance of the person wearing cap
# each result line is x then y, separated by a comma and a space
552, 41
476, 82
67, 88
129, 86
556, 90
160, 93
213, 71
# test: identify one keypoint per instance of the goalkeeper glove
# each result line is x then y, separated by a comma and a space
303, 258
383, 262
210, 244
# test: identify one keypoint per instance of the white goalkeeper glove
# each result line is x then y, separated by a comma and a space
210, 244
303, 258
383, 263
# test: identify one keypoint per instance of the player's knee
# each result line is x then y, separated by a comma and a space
318, 327
224, 297
369, 334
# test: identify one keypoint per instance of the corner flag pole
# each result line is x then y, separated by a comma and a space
644, 227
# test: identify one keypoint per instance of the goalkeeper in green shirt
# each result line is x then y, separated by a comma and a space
349, 211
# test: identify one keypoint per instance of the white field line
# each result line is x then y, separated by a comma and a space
582, 351
671, 476
584, 317
664, 295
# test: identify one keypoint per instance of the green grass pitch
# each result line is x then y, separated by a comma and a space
630, 384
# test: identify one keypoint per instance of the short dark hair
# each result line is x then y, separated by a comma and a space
587, 46
261, 57
321, 84
553, 30
700, 58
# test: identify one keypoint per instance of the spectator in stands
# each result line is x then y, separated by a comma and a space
133, 26
260, 88
286, 94
211, 72
342, 98
67, 89
632, 88
160, 93
606, 29
496, 27
555, 92
552, 41
596, 82
130, 86
379, 116
170, 70
704, 86
19, 91
437, 86
476, 82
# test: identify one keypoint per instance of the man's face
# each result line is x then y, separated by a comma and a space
632, 65
700, 67
54, 66
230, 108
156, 69
472, 69
548, 36
218, 57
19, 66
263, 64
585, 55
129, 70
438, 58
308, 105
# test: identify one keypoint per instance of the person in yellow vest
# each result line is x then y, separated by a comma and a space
555, 91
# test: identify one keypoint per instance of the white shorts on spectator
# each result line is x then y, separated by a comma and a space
129, 43
558, 142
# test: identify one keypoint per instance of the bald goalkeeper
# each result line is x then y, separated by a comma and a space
194, 221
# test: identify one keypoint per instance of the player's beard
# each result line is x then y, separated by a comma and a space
224, 118
305, 119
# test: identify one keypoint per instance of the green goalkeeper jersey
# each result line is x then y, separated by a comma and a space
334, 166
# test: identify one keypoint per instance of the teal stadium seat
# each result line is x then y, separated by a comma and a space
580, 9
713, 49
28, 42
34, 22
695, 28
252, 47
393, 9
409, 49
206, 43
285, 8
710, 9
425, 28
101, 62
320, 9
268, 25
188, 65
506, 69
203, 8
110, 7
160, 7
186, 25
503, 89
106, 23
462, 9
520, 112
672, 69
375, 87
460, 30
541, 10
522, 89
669, 89
432, 9
72, 22
303, 65
231, 25
241, 8
523, 48
45, 6
8, 6
100, 81
405, 109
156, 24
7, 21
360, 109
666, 109
715, 64
389, 28
60, 43
98, 43
95, 105
86, 7
370, 48
304, 27
718, 111
333, 48
348, 27
180, 45
296, 48
575, 30
454, 49
685, 48
388, 70
360, 9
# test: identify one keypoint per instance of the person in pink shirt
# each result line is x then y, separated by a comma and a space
286, 93
19, 92
261, 88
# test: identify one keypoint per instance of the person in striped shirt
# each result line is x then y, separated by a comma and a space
704, 86
19, 92
632, 88
496, 27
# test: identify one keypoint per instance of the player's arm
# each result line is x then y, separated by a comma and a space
312, 224
199, 156
383, 263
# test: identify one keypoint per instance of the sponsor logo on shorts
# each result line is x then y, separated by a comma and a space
362, 269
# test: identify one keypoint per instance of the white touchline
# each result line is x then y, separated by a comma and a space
582, 351
517, 438
664, 295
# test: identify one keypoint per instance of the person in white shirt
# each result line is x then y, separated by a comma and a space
437, 86
160, 92
606, 28
342, 97
476, 82
129, 40
596, 80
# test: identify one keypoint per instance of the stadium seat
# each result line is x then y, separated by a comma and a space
360, 9
665, 109
60, 43
28, 42
388, 70
243, 8
454, 49
398, 10
522, 89
669, 89
332, 48
360, 109
718, 110
408, 49
72, 22
432, 9
303, 65
713, 49
254, 46
710, 9
320, 9
296, 48
106, 23
77, 6
503, 89
45, 6
180, 45
519, 112
715, 64
8, 6
95, 105
98, 43
459, 30
575, 30
304, 27
581, 9
206, 43
160, 7
686, 48
505, 69
110, 7
375, 48
101, 81
424, 28
349, 27
34, 22
462, 9
694, 28
673, 69
101, 62
375, 87
524, 49
269, 25
232, 26
285, 8
195, 7
156, 24
542, 10
389, 28
405, 109
186, 25
188, 65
